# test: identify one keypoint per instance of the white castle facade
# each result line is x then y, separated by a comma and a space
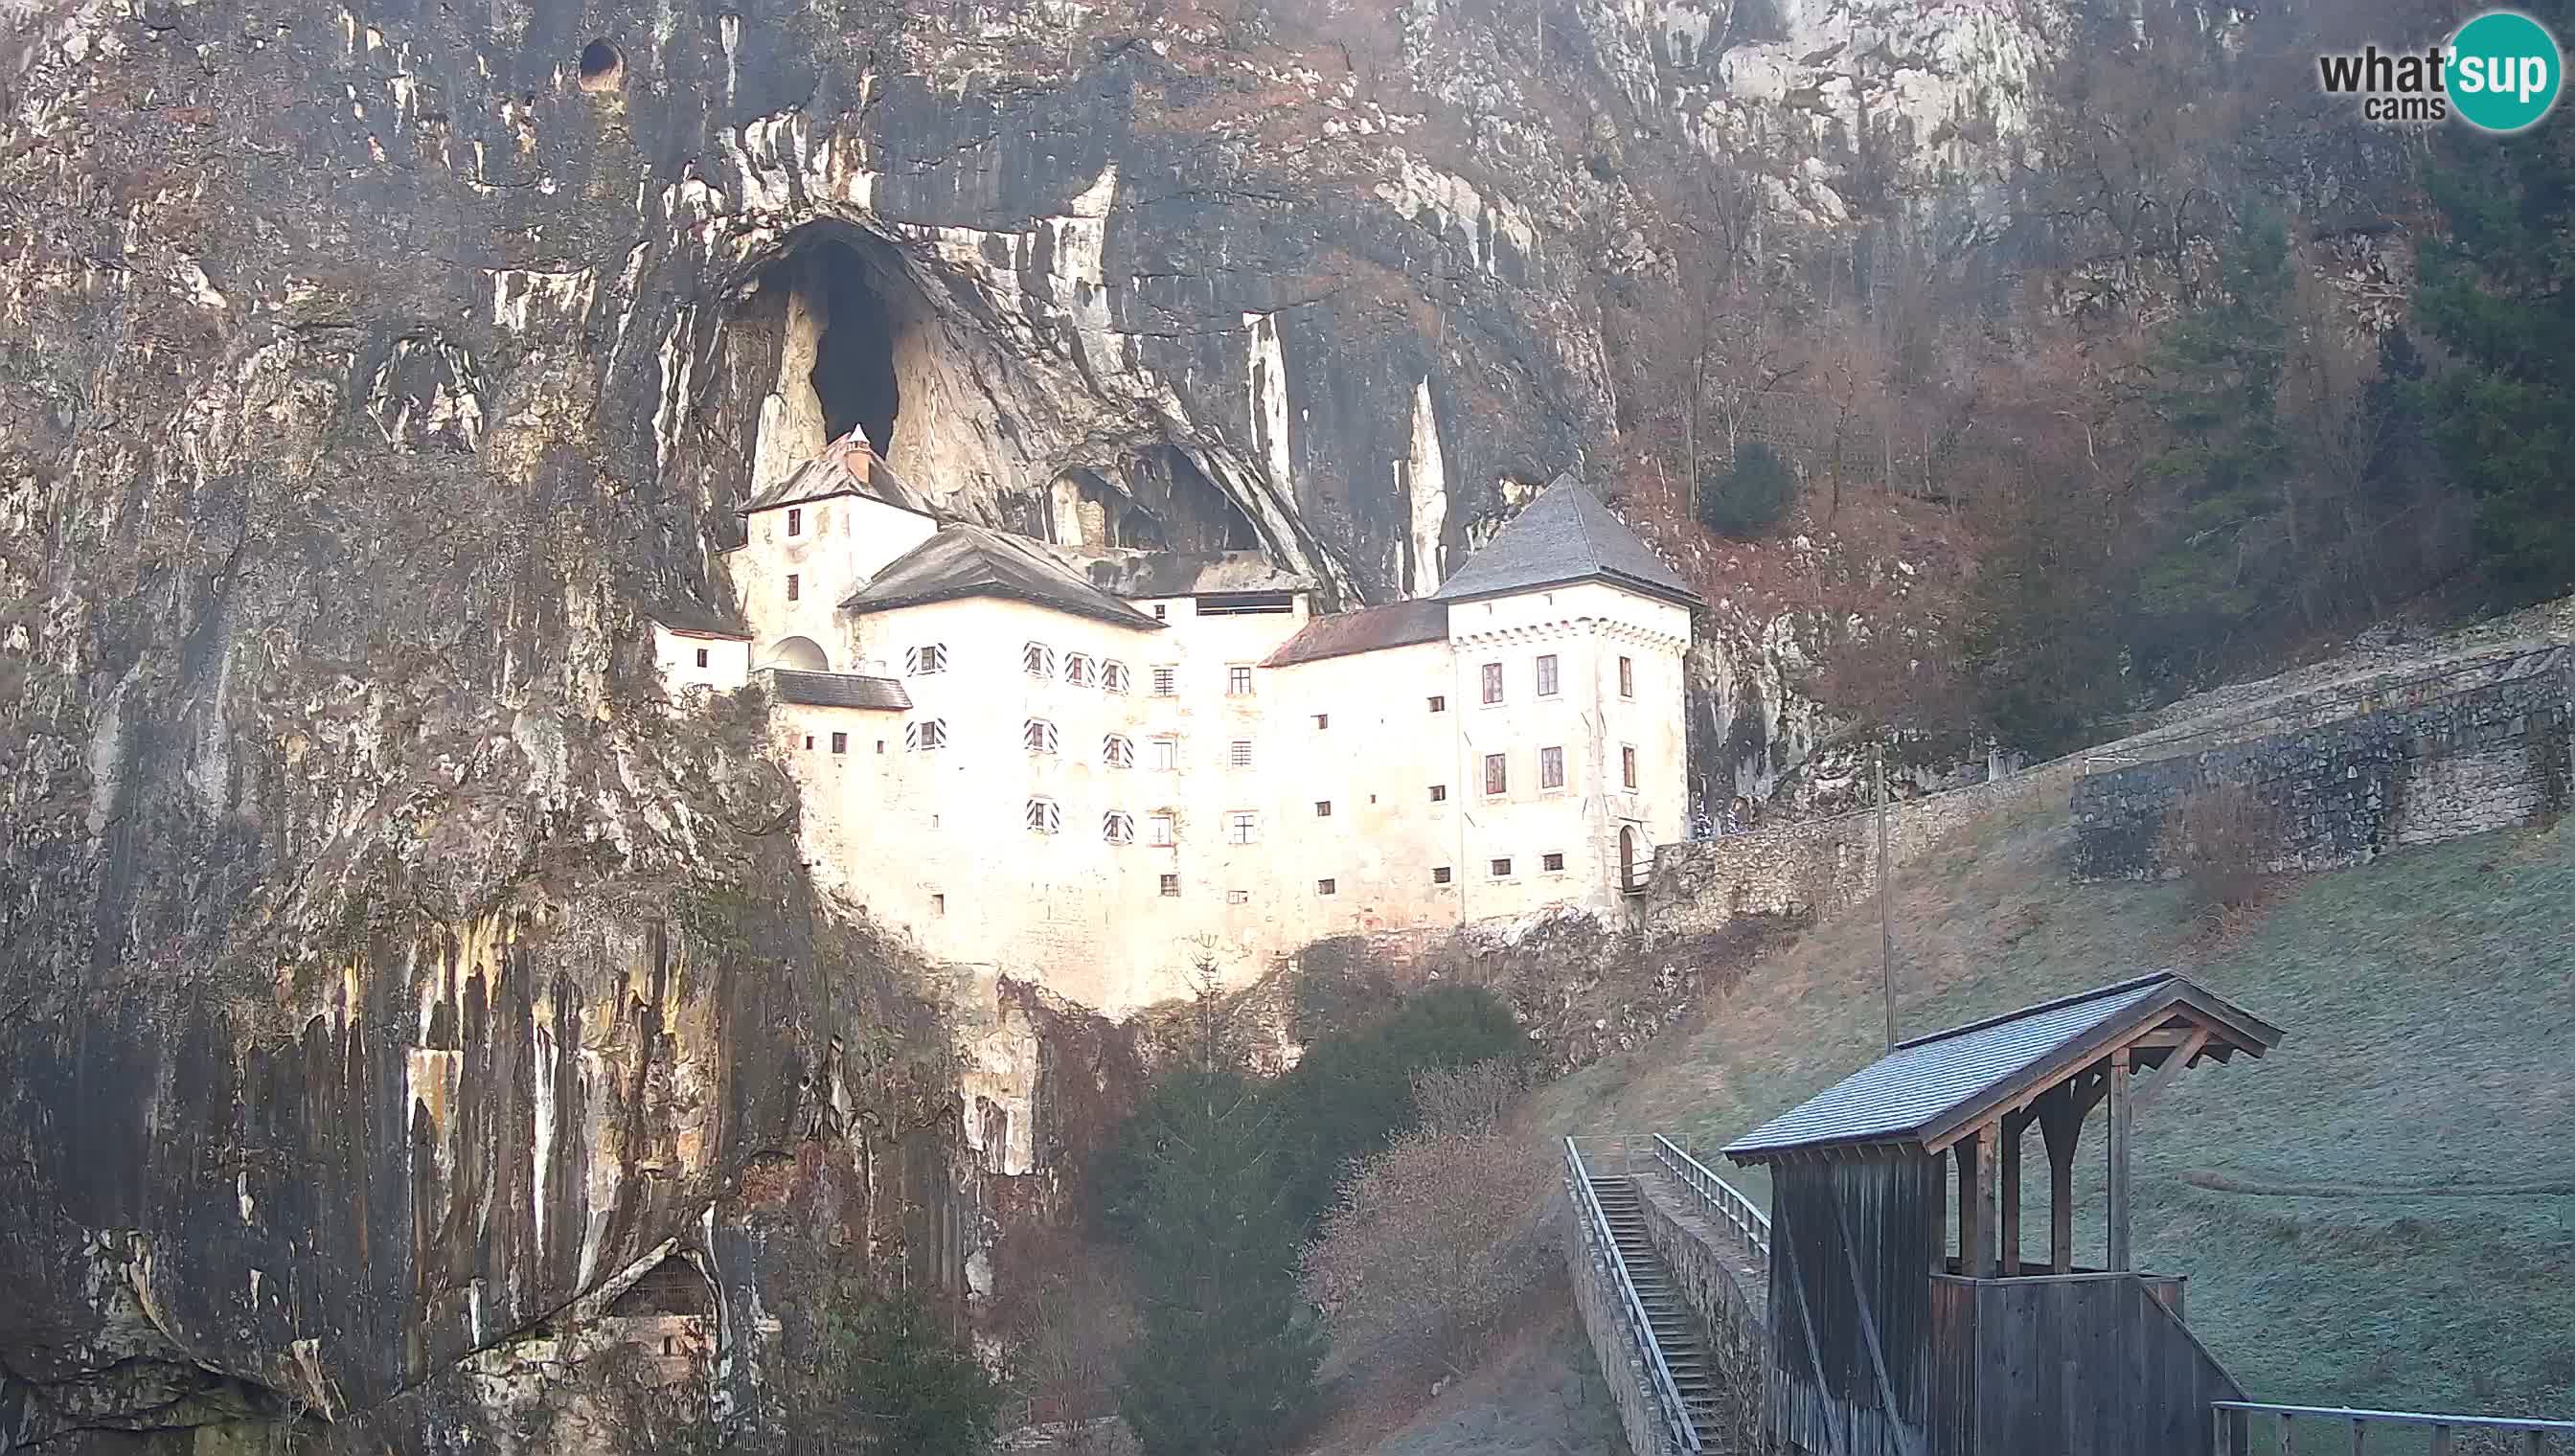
1093, 769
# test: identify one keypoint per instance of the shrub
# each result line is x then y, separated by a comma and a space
2225, 838
1749, 496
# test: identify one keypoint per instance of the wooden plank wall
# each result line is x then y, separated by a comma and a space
2089, 1363
1853, 1245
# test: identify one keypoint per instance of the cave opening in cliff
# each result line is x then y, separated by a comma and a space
1179, 508
855, 378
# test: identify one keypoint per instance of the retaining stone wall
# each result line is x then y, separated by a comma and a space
2425, 769
1706, 1259
1820, 866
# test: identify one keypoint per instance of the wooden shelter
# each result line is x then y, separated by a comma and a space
1887, 1338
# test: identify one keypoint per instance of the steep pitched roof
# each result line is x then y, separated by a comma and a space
840, 689
1923, 1093
960, 561
690, 618
1563, 535
1396, 625
846, 467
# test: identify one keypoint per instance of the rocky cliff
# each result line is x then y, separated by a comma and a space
383, 970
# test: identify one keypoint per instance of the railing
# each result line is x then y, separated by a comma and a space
2234, 1420
1720, 1197
1586, 1206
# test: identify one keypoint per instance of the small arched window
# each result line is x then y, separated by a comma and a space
1037, 736
1118, 826
1078, 671
1038, 660
1112, 677
1044, 817
1118, 751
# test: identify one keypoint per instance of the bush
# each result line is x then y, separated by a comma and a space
1749, 495
2225, 838
893, 1381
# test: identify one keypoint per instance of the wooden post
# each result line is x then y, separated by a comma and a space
2014, 1126
2060, 1124
1971, 1202
2441, 1444
1885, 904
2119, 1115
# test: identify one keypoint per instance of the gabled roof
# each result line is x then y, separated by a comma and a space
839, 689
1929, 1091
960, 561
1563, 535
690, 618
1396, 625
846, 467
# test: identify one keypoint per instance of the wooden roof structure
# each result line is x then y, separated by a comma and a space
1929, 1093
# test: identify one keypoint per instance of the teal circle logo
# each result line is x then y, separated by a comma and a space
2503, 72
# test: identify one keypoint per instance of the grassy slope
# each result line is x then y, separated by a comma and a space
2429, 1000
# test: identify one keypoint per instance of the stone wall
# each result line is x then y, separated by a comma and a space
1596, 1294
1818, 867
1717, 1271
2450, 754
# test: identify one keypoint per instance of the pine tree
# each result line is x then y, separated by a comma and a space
2496, 292
1224, 1365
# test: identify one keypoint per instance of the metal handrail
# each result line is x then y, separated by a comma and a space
1669, 1394
1722, 1197
2361, 1420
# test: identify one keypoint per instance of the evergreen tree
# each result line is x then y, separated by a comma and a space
891, 1380
1225, 1362
2496, 291
2228, 542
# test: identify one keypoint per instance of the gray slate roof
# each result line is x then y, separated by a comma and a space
691, 619
846, 467
840, 689
1926, 1087
1563, 535
1396, 625
962, 561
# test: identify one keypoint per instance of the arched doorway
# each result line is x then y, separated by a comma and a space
800, 653
1628, 880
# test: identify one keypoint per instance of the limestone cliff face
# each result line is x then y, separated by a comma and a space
381, 968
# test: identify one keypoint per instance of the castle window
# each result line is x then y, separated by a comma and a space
1323, 887
1439, 875
1240, 754
1438, 703
925, 659
809, 740
1162, 610
1627, 765
1076, 669
1170, 887
925, 735
1167, 754
1038, 660
1626, 676
1037, 736
1439, 794
1238, 681
1322, 720
1117, 828
1241, 827
795, 586
1112, 677
840, 743
1044, 817
1553, 863
1167, 679
939, 904
1550, 768
1492, 682
794, 522
1501, 868
1162, 831
1323, 808
880, 745
701, 656
1497, 774
1237, 896
1546, 675
1118, 751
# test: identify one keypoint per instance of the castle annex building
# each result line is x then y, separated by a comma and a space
1090, 765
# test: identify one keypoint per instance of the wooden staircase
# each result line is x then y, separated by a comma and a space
1676, 1327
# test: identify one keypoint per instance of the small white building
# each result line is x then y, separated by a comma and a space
1088, 769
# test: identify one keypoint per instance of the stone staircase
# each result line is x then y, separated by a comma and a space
1676, 1326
